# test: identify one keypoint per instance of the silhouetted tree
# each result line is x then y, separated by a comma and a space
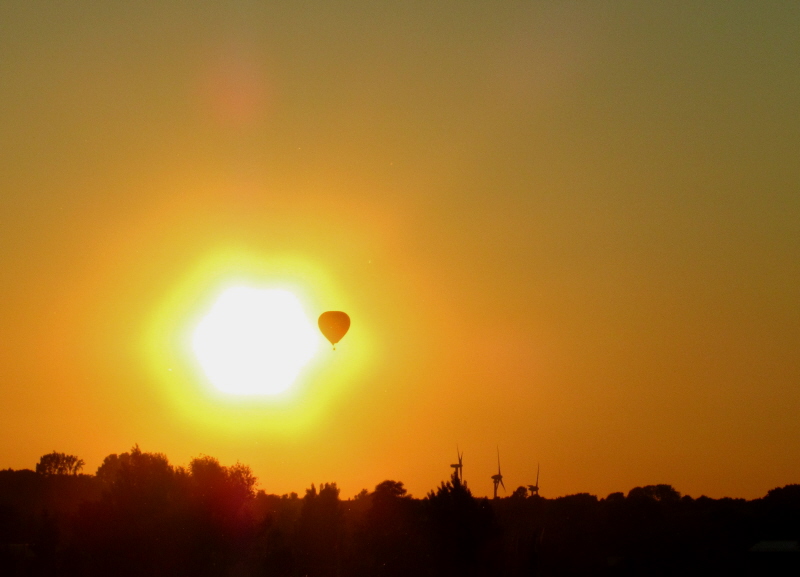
461, 527
521, 521
59, 464
780, 509
571, 536
654, 492
220, 521
275, 547
320, 531
141, 516
137, 528
391, 542
642, 528
520, 493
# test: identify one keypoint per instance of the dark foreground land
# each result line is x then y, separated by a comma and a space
139, 515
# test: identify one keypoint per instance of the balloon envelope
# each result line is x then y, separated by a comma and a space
334, 325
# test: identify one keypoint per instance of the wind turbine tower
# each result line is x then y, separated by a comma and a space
534, 489
459, 467
498, 479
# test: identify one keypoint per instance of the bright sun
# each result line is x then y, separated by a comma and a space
254, 341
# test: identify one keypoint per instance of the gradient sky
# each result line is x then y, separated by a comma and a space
567, 229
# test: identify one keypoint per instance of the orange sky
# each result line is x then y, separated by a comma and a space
570, 230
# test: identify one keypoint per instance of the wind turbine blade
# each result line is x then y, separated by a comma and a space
537, 474
503, 484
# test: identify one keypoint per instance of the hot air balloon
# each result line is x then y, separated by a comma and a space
334, 325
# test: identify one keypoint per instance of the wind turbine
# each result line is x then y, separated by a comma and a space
498, 479
459, 467
535, 488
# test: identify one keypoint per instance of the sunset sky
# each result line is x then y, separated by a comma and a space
570, 230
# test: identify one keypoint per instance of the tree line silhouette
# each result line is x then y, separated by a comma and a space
140, 515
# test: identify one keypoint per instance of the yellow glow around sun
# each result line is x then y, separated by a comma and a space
254, 341
185, 382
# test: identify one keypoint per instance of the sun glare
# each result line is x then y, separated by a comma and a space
254, 341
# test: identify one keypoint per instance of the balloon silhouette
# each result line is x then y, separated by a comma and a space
334, 325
